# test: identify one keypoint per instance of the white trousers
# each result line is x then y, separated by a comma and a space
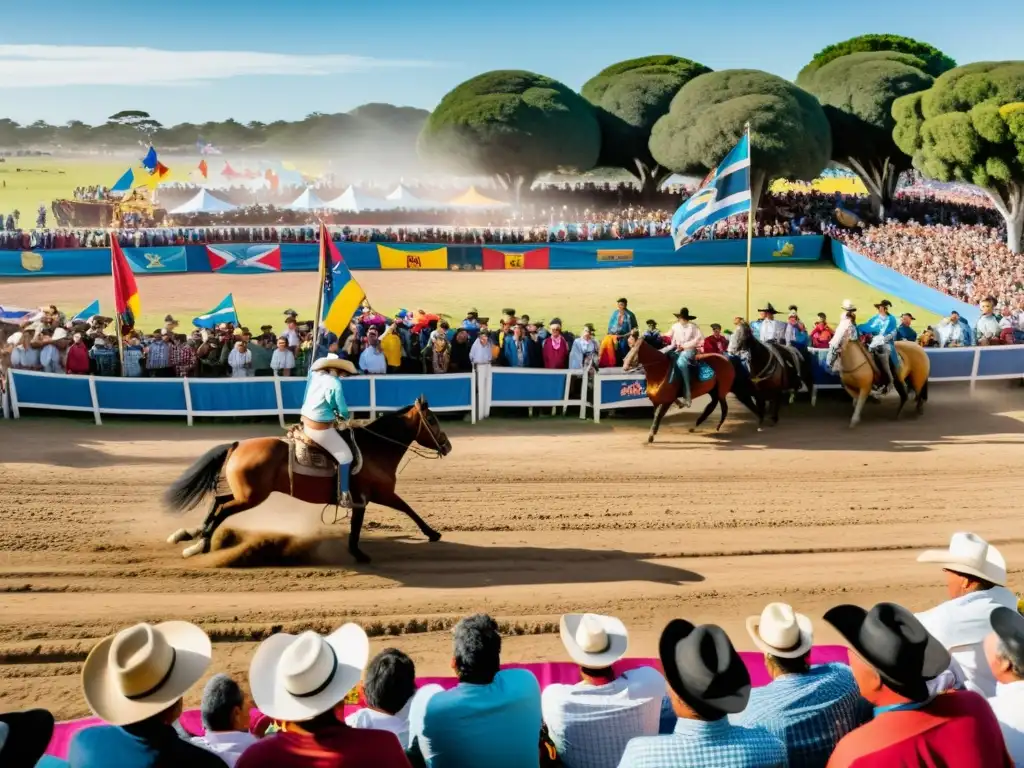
483, 390
332, 442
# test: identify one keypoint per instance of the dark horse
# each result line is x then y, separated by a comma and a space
253, 469
663, 393
774, 370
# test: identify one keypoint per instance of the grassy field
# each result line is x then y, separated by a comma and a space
714, 294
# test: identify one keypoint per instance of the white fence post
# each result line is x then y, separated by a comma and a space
13, 390
584, 386
373, 397
280, 399
188, 401
974, 367
472, 395
597, 396
95, 401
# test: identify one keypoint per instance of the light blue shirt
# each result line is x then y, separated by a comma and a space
324, 398
881, 326
372, 360
497, 725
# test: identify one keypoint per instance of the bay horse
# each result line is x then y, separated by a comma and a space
774, 372
859, 374
662, 394
253, 469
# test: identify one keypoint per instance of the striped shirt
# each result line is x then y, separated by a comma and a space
158, 355
133, 362
700, 744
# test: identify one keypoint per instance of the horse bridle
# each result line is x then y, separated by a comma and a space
431, 453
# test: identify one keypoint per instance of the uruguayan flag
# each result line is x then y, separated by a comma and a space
222, 313
15, 315
87, 313
725, 192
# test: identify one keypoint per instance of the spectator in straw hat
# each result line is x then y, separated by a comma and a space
135, 680
976, 584
894, 658
301, 680
50, 356
1004, 650
24, 356
591, 722
808, 708
707, 681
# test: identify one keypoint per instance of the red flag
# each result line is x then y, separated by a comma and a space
126, 292
161, 170
204, 168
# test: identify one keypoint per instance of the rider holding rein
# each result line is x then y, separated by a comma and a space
323, 404
847, 328
882, 328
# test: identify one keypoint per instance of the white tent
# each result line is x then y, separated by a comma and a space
308, 201
204, 202
403, 198
354, 201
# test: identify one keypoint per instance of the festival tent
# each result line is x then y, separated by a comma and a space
403, 198
308, 201
354, 201
204, 202
473, 199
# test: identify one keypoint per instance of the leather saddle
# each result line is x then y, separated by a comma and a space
876, 372
307, 458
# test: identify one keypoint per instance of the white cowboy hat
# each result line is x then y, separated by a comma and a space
969, 553
333, 361
593, 641
848, 306
297, 677
143, 670
59, 334
780, 631
14, 338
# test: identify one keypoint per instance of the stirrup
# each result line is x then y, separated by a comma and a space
344, 500
687, 402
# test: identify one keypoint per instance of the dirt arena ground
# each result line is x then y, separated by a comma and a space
539, 517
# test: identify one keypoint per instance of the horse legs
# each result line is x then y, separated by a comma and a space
659, 414
725, 411
776, 405
396, 502
901, 390
862, 397
217, 516
188, 534
354, 529
713, 394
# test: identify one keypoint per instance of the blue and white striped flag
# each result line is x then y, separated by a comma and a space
15, 315
222, 313
90, 311
725, 192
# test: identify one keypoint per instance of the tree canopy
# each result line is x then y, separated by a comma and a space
935, 61
629, 98
511, 124
969, 126
789, 132
857, 92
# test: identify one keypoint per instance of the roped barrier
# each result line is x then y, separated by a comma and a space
475, 393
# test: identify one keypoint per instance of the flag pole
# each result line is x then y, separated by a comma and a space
750, 215
117, 315
320, 291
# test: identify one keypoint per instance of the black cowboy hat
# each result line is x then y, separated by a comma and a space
28, 734
895, 643
622, 301
652, 322
769, 309
473, 313
907, 314
684, 314
703, 668
884, 303
509, 312
266, 327
1009, 626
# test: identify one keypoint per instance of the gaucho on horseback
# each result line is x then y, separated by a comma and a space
323, 406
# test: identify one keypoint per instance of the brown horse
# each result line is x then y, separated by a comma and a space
663, 393
859, 374
775, 371
253, 469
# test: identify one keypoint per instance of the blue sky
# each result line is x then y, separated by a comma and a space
196, 60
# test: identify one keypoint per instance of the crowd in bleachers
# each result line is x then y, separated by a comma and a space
943, 687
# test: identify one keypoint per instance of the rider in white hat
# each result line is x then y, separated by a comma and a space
976, 583
324, 403
846, 329
591, 722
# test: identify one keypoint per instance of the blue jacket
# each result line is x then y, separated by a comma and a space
906, 333
880, 326
511, 353
627, 325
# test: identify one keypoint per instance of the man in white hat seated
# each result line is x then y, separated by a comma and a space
135, 680
300, 680
893, 661
491, 718
323, 404
976, 584
1004, 650
808, 708
707, 682
591, 722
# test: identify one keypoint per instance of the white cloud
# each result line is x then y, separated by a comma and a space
48, 66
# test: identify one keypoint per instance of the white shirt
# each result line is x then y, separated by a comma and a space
590, 725
846, 328
372, 360
481, 354
227, 745
772, 330
292, 336
684, 336
961, 625
987, 326
397, 724
241, 363
1008, 705
282, 360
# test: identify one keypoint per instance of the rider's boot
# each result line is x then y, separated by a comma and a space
685, 373
344, 496
886, 368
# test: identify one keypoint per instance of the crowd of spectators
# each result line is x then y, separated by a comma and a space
944, 687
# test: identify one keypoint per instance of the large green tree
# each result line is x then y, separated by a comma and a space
629, 98
857, 92
789, 131
969, 126
935, 61
513, 125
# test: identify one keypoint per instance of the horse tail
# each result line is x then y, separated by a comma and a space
923, 394
201, 478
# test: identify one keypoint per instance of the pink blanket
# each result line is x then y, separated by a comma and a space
546, 673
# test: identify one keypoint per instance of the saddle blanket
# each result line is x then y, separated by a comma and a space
705, 372
308, 458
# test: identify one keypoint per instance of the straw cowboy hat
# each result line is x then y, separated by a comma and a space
333, 361
969, 554
848, 306
780, 631
593, 641
143, 670
297, 677
14, 339
703, 669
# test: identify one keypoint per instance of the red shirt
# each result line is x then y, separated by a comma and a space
78, 359
556, 357
956, 730
337, 746
717, 345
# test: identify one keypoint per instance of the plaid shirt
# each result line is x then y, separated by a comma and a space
105, 359
703, 744
808, 712
183, 358
158, 355
133, 362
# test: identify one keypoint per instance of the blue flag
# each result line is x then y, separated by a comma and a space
125, 182
149, 161
85, 314
222, 313
723, 193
